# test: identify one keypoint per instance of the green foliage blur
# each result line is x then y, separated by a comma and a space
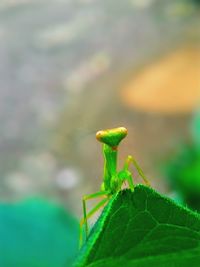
36, 233
182, 169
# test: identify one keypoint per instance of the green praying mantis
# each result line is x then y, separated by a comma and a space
112, 179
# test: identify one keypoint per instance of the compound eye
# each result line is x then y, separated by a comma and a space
99, 135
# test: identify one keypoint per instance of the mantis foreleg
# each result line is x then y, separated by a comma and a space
95, 209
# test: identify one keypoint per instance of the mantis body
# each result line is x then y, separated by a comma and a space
112, 179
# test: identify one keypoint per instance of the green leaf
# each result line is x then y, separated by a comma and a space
140, 229
35, 233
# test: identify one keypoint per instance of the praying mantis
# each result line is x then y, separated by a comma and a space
112, 179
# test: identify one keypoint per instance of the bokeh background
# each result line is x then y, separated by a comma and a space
72, 67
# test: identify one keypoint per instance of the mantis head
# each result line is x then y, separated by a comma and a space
112, 137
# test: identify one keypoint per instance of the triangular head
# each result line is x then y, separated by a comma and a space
112, 137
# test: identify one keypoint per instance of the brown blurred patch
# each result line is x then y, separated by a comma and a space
169, 85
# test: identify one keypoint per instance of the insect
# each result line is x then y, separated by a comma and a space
112, 179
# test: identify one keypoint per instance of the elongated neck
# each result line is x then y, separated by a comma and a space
110, 161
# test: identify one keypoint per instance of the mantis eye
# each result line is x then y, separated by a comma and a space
112, 137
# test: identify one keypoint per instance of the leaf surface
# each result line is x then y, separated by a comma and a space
143, 228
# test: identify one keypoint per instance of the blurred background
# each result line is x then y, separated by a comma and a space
72, 67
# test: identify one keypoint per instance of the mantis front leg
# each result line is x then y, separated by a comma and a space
86, 216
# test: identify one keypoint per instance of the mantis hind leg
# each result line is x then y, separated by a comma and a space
129, 160
84, 220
